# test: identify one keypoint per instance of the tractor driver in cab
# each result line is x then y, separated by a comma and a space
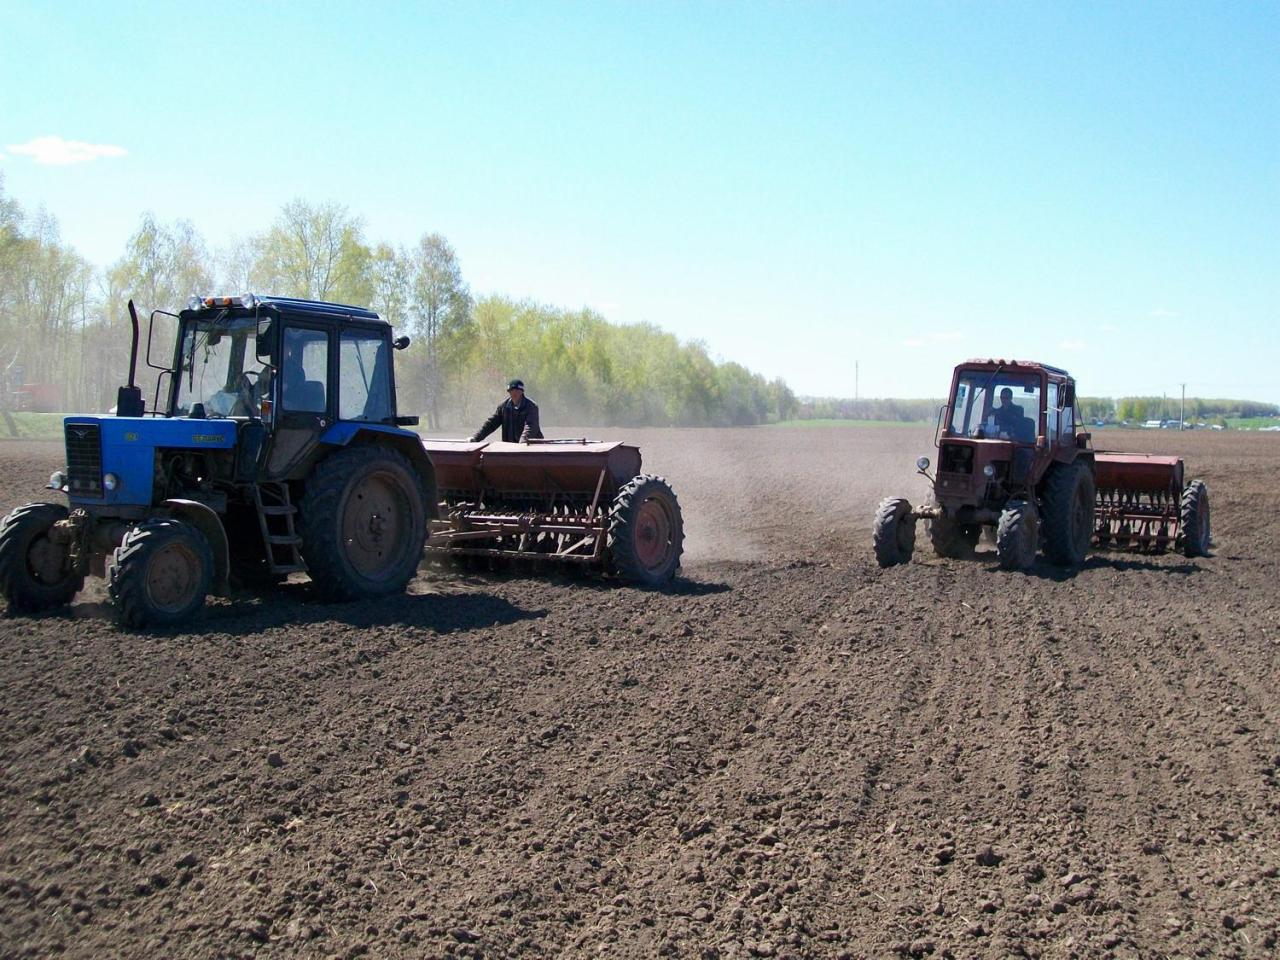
517, 415
299, 393
1010, 419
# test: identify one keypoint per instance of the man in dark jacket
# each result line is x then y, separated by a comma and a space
518, 417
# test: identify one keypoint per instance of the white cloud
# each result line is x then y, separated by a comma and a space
57, 152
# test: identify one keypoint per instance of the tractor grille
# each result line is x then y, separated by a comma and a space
84, 459
956, 459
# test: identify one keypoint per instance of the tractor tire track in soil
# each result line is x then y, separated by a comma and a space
792, 753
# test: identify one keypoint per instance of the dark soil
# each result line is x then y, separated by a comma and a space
791, 753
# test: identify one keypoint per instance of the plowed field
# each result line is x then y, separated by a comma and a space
790, 754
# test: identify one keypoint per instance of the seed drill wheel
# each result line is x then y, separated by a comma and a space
34, 572
952, 539
646, 532
894, 532
363, 523
1068, 513
160, 574
1195, 519
1017, 535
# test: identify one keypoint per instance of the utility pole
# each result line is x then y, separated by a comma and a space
855, 379
1182, 410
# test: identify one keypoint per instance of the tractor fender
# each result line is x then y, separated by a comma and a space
204, 519
347, 434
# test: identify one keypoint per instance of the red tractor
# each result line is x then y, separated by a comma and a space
1011, 456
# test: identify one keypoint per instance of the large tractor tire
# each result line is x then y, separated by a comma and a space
34, 571
646, 531
363, 522
952, 539
1017, 535
160, 574
1195, 519
894, 532
1068, 513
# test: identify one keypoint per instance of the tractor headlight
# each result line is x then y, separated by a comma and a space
922, 463
110, 481
194, 303
57, 480
249, 300
989, 471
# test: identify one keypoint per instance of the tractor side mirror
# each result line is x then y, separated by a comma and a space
400, 342
1067, 396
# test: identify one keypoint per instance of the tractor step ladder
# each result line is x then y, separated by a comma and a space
275, 519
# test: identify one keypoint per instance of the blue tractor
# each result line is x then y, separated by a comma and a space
273, 447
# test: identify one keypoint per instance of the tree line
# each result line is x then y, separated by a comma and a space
64, 322
1090, 409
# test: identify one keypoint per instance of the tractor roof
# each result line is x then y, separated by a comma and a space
318, 309
1012, 364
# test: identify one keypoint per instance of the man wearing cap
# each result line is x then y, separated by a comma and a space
517, 415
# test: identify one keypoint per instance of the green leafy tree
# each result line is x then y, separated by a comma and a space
316, 252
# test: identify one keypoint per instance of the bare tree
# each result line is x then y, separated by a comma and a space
441, 304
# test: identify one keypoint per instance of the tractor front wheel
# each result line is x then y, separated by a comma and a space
160, 574
363, 523
35, 572
646, 531
1195, 519
1017, 535
894, 532
1068, 513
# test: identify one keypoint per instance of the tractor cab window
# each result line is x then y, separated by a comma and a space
1000, 405
304, 370
1051, 411
364, 377
217, 368
1067, 423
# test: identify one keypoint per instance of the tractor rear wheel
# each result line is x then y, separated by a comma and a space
646, 531
1195, 519
35, 573
160, 574
1068, 513
894, 532
1017, 535
363, 523
951, 538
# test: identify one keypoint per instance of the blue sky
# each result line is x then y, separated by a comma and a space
799, 185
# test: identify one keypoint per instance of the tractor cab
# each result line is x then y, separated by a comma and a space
1003, 425
297, 374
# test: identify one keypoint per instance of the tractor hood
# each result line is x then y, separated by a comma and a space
111, 460
963, 463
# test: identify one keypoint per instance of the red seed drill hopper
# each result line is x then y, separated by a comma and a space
559, 501
1143, 503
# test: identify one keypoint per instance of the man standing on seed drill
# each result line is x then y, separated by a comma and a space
517, 415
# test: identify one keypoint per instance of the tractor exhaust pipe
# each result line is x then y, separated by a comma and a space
129, 399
